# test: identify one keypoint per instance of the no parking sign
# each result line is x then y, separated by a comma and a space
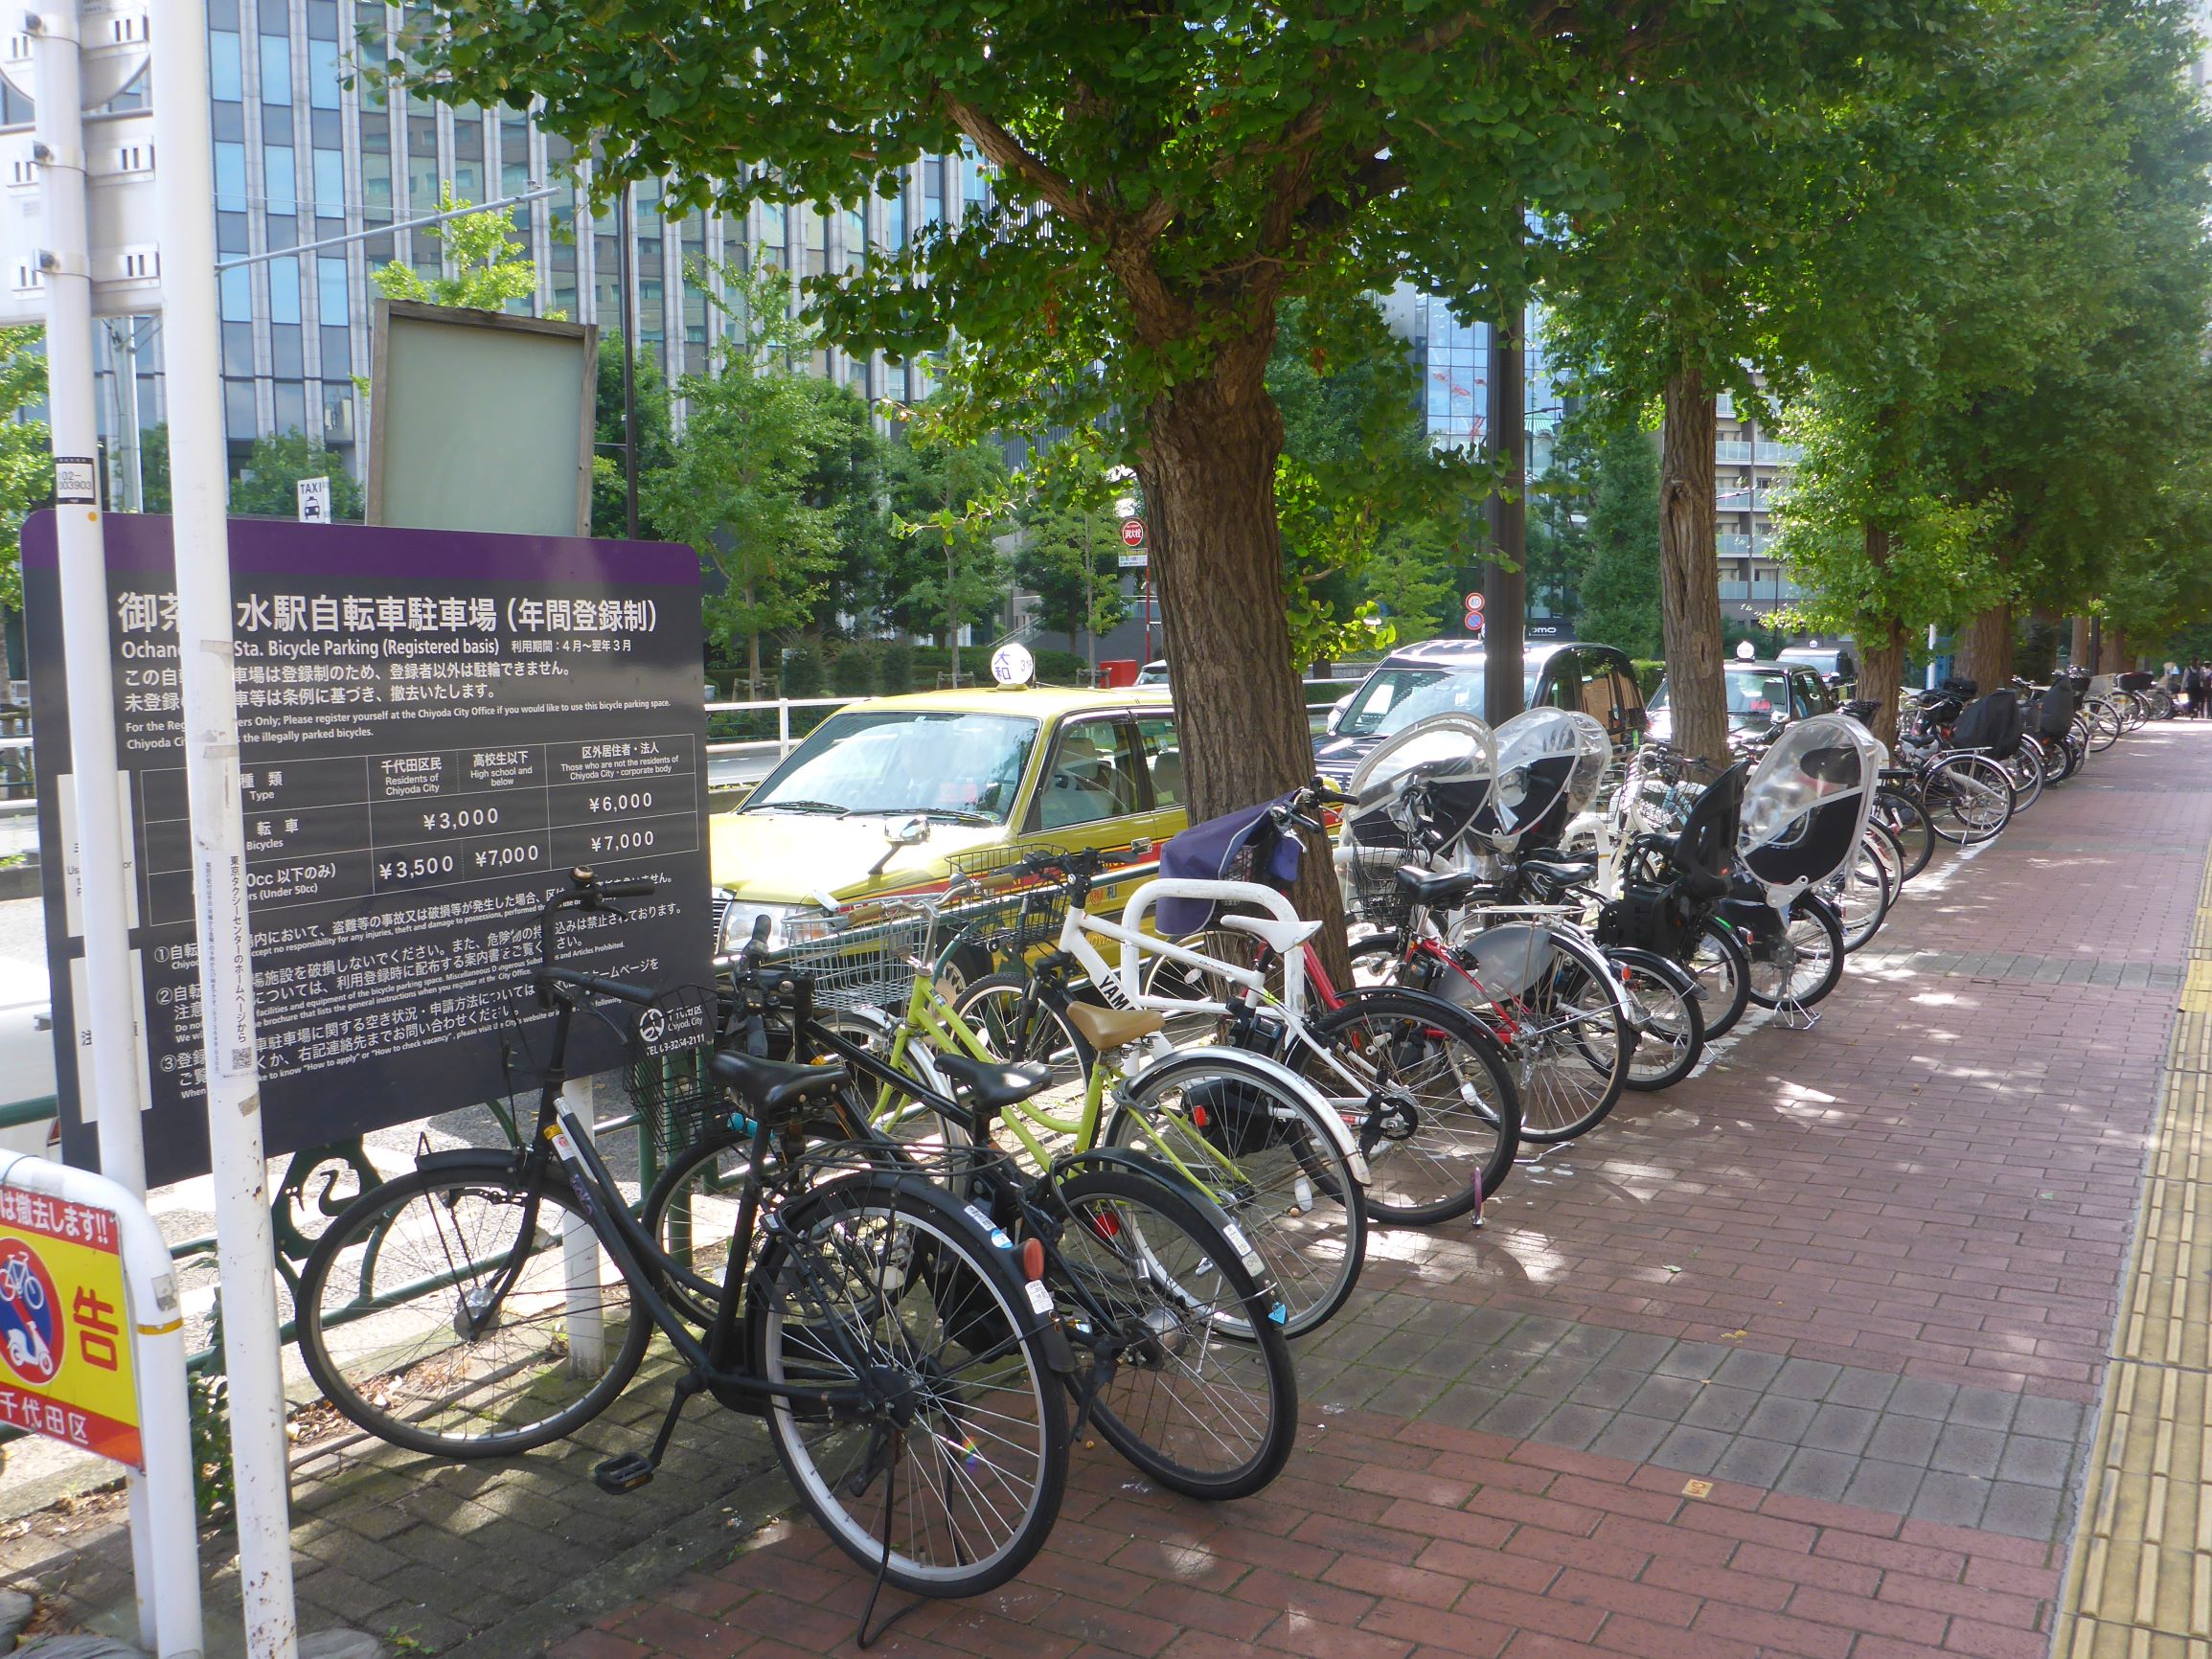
65, 1351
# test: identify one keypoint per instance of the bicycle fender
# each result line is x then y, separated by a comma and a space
463, 1160
1109, 1158
1273, 1072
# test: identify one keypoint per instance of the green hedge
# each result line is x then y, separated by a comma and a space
1649, 673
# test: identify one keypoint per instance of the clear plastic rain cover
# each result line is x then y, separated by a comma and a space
1550, 763
1806, 805
1449, 760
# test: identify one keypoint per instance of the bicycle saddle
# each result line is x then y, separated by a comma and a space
1566, 872
993, 1087
771, 1087
1106, 1029
1437, 889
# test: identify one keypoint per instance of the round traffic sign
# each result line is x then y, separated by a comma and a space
1134, 532
1475, 604
31, 1336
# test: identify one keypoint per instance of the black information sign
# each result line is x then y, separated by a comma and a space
436, 726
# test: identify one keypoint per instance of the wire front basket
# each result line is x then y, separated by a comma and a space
1003, 902
865, 956
667, 1076
1373, 893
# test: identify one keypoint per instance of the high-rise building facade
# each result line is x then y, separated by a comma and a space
1751, 467
306, 154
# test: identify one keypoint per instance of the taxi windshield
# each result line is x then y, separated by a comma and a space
1394, 698
1757, 699
964, 766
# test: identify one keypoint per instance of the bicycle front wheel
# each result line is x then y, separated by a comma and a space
1191, 1378
1261, 1150
1440, 1118
881, 1285
442, 1311
1723, 975
1969, 798
1802, 964
1670, 1022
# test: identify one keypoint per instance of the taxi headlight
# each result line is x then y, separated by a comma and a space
739, 917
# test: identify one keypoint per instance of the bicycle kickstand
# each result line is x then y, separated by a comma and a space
627, 1471
1794, 1015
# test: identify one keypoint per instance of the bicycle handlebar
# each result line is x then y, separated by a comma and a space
585, 891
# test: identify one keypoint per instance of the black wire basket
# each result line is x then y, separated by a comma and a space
1373, 893
1002, 902
671, 1041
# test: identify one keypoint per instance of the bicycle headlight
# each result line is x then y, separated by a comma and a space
738, 919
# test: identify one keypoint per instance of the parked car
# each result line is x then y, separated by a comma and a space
1834, 662
1153, 674
1760, 694
884, 791
1441, 676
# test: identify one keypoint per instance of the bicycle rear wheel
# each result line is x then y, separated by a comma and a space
1569, 1035
1861, 893
875, 1281
1194, 1379
435, 1312
1724, 975
1261, 1152
1670, 1022
1449, 1116
1904, 818
2026, 771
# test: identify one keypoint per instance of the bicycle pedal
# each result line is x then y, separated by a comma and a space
624, 1472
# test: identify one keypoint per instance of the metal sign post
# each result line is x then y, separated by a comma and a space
199, 484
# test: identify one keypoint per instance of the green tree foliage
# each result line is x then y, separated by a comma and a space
26, 467
655, 439
1071, 540
1372, 516
490, 268
741, 483
1619, 580
1164, 178
266, 487
951, 504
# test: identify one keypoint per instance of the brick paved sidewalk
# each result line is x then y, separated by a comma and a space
1800, 1358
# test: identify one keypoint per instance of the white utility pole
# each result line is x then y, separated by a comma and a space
199, 485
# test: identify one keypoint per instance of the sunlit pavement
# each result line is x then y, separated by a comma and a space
1801, 1357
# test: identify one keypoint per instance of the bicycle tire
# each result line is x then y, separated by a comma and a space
1571, 1068
1024, 1027
1866, 883
1815, 938
918, 1285
685, 1214
1418, 1034
1901, 815
1723, 970
1295, 1197
1208, 1406
2026, 770
402, 1370
1670, 1024
1968, 798
2105, 727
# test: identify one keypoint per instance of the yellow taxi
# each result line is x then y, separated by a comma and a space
884, 791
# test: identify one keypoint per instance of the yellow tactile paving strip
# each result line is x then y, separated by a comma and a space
2139, 1585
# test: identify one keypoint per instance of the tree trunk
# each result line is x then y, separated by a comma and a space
752, 656
1985, 649
2113, 655
1882, 660
1505, 579
951, 618
2078, 648
1690, 570
1208, 471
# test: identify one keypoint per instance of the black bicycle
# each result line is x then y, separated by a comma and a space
1180, 1359
907, 1370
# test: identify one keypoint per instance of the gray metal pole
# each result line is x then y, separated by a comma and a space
627, 312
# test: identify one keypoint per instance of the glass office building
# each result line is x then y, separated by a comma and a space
1751, 468
302, 157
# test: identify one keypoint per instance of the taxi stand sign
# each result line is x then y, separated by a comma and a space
92, 1354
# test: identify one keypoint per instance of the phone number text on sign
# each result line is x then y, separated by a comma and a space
65, 1358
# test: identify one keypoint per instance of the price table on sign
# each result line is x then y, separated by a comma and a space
320, 828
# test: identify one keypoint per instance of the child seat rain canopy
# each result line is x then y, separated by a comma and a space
1240, 846
1549, 764
1450, 759
1806, 805
1992, 724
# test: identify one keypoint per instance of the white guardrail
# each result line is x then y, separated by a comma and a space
747, 760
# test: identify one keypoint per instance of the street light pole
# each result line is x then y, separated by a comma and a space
626, 309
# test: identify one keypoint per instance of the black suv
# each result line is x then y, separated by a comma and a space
1444, 676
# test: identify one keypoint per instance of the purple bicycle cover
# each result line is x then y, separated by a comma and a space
1210, 851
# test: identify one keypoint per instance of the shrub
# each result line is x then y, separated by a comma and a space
894, 668
803, 671
1061, 669
1649, 673
854, 673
